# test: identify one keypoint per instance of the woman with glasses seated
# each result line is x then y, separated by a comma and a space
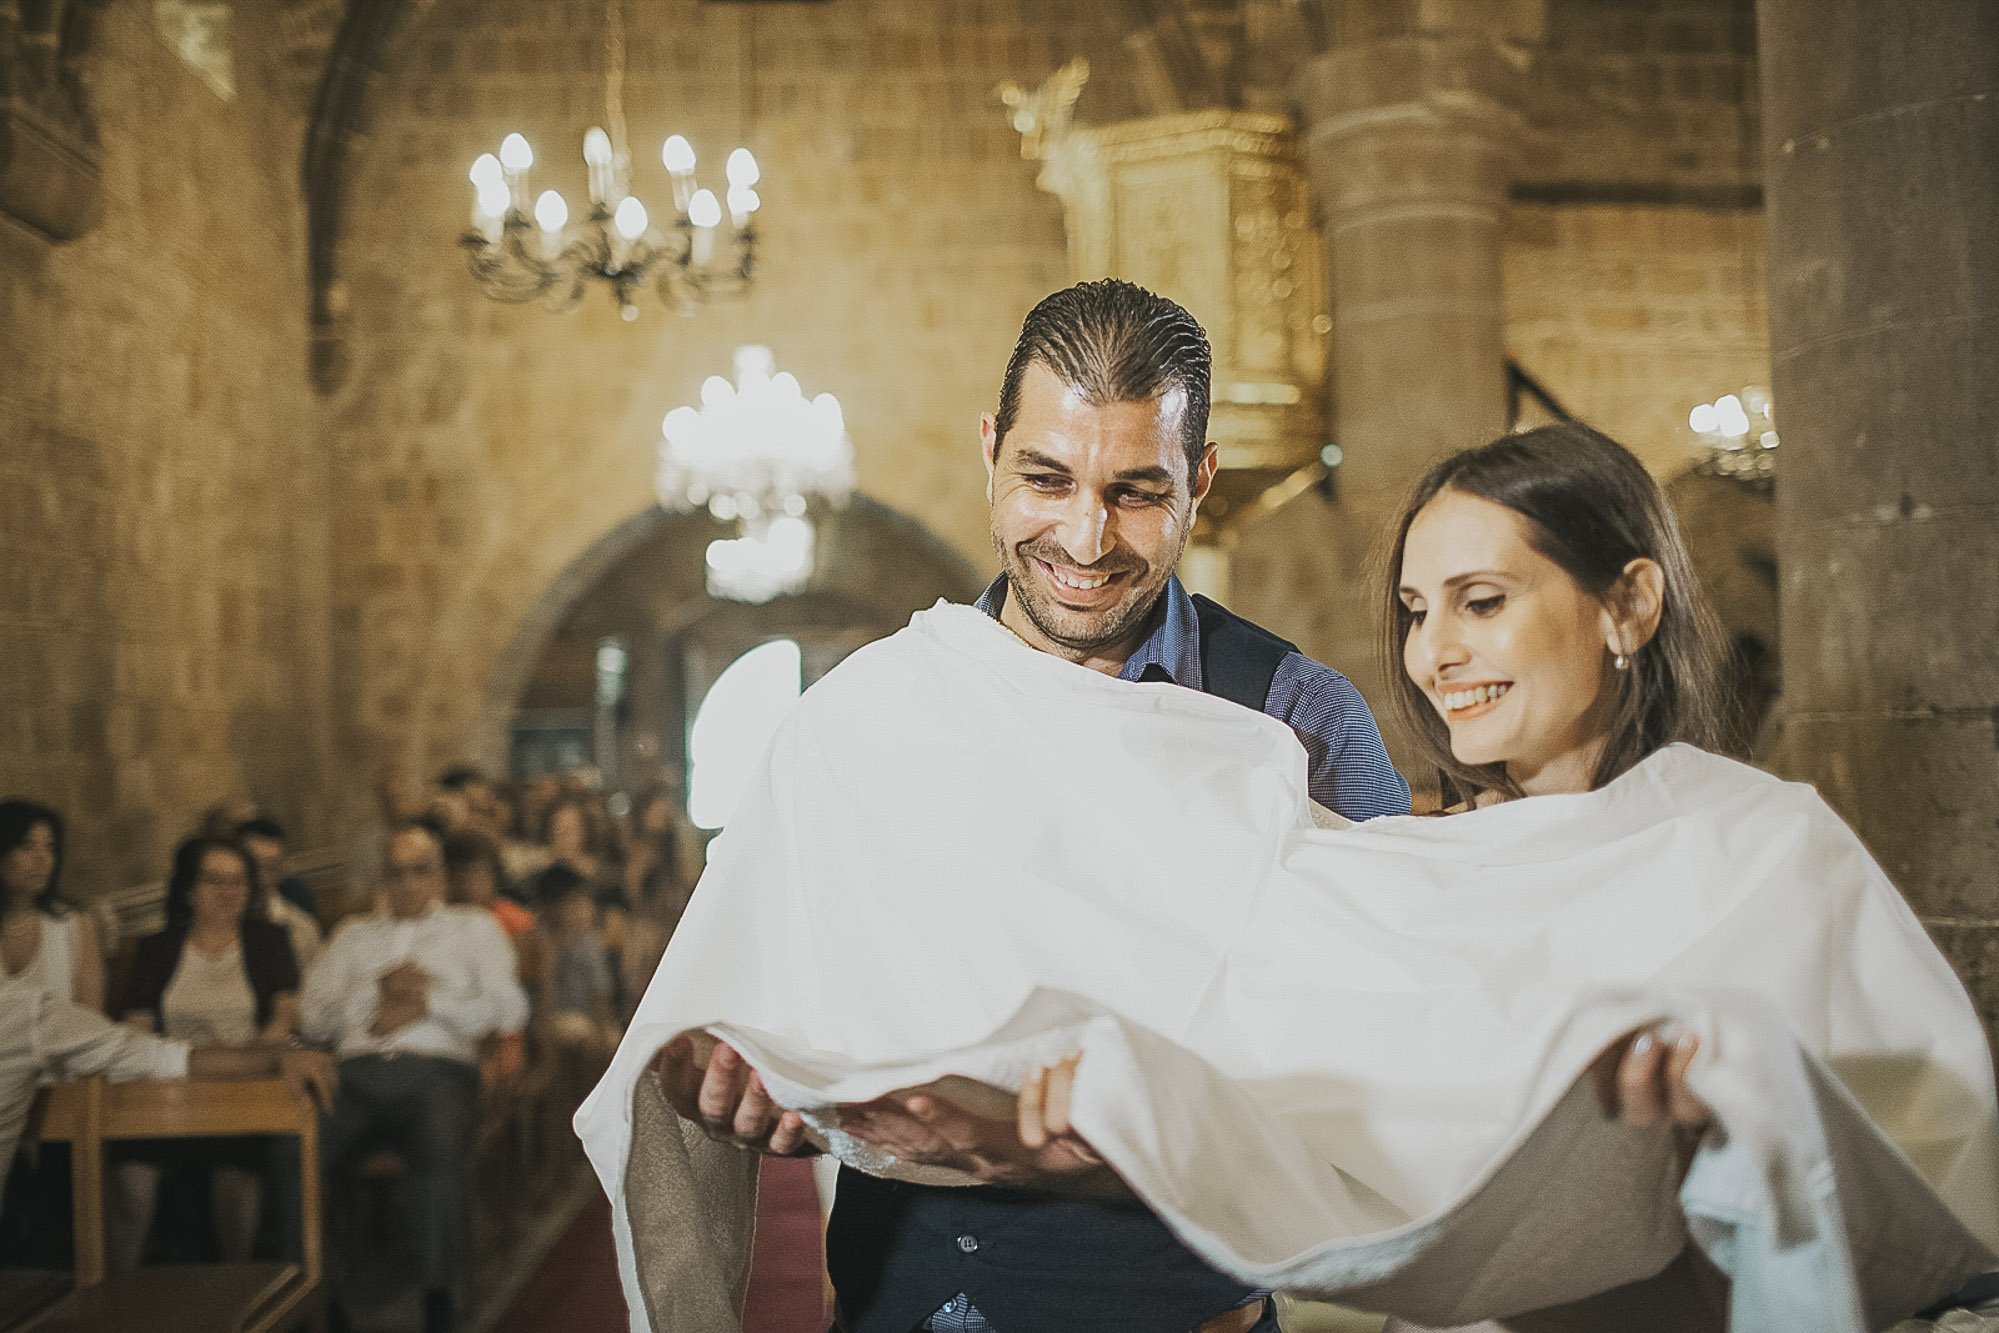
218, 975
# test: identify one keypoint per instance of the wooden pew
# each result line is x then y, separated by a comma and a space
199, 1298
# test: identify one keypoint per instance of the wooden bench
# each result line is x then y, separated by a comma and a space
209, 1298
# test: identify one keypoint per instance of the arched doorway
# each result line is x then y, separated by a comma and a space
637, 600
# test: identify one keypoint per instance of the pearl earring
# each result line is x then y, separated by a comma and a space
1620, 661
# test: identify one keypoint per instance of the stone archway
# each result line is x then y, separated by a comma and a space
643, 578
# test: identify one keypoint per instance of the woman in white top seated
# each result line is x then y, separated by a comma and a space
41, 935
218, 975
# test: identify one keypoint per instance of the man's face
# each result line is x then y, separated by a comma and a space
413, 875
1091, 507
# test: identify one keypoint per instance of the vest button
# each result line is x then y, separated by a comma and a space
969, 1244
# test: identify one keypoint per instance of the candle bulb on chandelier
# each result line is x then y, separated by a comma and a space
551, 214
489, 196
705, 212
677, 156
743, 174
597, 157
515, 159
631, 219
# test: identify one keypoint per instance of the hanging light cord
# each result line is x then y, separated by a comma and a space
614, 90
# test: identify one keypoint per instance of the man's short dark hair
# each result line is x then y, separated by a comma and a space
1114, 342
557, 882
263, 826
460, 776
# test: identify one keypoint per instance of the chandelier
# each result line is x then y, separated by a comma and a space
758, 454
1738, 438
773, 558
524, 246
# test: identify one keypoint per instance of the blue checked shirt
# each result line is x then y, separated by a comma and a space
1348, 765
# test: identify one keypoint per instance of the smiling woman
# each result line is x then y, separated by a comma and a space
1545, 620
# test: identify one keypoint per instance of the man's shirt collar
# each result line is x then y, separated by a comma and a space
1171, 652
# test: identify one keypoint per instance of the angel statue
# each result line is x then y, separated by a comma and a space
1041, 115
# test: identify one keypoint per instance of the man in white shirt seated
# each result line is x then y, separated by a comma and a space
405, 996
46, 1037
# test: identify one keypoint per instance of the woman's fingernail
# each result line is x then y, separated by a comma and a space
1688, 1043
1642, 1045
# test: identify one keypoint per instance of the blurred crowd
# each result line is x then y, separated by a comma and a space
475, 935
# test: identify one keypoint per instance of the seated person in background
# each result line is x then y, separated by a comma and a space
43, 937
284, 899
474, 878
522, 849
397, 801
582, 992
46, 943
657, 889
218, 975
45, 1038
477, 793
575, 838
405, 995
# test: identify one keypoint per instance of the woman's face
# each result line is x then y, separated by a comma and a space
1510, 651
473, 883
565, 832
27, 869
221, 889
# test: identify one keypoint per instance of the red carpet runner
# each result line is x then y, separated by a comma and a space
575, 1290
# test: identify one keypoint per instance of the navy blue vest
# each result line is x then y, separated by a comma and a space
1035, 1262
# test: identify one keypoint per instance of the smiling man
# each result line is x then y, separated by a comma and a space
1097, 462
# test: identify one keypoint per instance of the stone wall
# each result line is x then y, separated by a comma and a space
163, 523
1653, 99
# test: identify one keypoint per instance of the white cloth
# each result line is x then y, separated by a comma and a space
208, 1001
1344, 1063
46, 1037
473, 992
53, 968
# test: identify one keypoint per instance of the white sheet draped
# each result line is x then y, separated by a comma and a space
1344, 1063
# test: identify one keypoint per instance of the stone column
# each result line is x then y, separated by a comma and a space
1410, 139
1882, 176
